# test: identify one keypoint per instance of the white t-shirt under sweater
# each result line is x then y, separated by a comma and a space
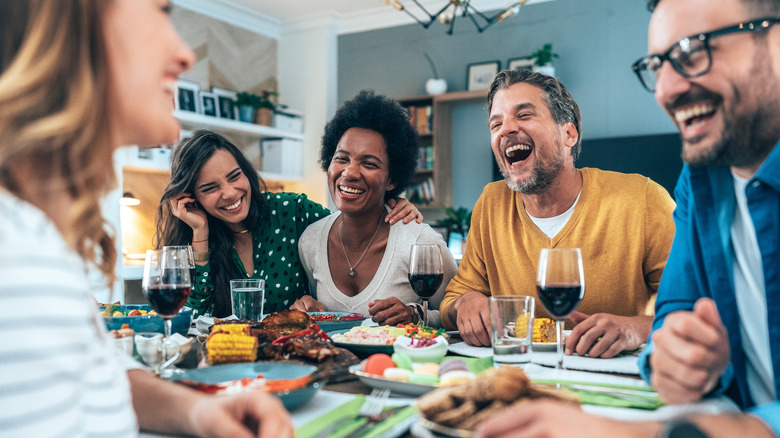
59, 375
391, 278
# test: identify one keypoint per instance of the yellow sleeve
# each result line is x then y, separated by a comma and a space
660, 228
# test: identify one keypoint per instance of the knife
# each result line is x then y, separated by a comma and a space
373, 422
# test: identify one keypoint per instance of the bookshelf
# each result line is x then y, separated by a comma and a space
431, 185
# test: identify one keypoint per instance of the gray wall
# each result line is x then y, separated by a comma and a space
597, 41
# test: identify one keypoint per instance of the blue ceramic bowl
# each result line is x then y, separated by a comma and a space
270, 370
148, 323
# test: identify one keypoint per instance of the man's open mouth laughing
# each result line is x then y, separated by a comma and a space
517, 151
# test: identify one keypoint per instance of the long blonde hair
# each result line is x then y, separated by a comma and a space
54, 107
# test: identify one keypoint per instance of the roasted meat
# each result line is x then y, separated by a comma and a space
287, 321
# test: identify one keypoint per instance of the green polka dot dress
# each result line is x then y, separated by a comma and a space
275, 254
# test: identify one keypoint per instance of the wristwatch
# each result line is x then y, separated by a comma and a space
682, 428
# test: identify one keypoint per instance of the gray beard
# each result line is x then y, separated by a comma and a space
541, 179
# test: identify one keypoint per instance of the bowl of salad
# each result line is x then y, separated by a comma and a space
421, 343
142, 318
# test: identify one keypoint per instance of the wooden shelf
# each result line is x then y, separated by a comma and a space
193, 121
441, 140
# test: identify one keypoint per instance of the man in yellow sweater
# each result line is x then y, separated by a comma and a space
622, 223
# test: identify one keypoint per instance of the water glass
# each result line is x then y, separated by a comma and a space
511, 328
247, 297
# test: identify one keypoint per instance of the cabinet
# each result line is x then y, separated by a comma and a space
431, 185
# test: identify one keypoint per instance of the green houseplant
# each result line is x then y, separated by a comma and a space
457, 220
247, 104
544, 56
265, 107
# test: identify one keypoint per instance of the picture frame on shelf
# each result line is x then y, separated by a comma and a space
208, 104
479, 75
226, 103
187, 96
525, 63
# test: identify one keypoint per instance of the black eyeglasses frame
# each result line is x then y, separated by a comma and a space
758, 25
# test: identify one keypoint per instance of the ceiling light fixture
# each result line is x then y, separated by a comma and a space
129, 200
447, 14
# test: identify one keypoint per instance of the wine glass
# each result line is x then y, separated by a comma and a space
560, 283
167, 285
190, 258
426, 273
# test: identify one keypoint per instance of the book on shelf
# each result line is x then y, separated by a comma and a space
421, 118
421, 193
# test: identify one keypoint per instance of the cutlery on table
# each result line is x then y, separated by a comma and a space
372, 407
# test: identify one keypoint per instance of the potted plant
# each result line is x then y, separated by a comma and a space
458, 221
265, 107
543, 59
247, 104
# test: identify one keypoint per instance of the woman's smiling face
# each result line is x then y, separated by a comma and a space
223, 190
359, 172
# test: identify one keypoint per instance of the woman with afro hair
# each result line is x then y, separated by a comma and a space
355, 261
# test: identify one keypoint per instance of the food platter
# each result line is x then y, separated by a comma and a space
147, 323
360, 349
550, 346
412, 389
342, 320
270, 370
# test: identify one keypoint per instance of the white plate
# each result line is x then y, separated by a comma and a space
413, 389
549, 346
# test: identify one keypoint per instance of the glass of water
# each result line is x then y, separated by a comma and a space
248, 297
511, 327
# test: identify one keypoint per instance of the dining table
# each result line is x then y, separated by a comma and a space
587, 377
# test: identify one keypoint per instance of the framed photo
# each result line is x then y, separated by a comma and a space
187, 98
480, 75
525, 63
208, 103
226, 103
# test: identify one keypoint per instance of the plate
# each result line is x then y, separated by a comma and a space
270, 370
549, 346
413, 389
328, 326
445, 430
148, 323
361, 349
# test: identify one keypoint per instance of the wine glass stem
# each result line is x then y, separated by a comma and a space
559, 343
167, 340
425, 312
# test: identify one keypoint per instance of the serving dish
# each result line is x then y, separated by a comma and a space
412, 389
360, 349
346, 320
148, 323
550, 346
269, 370
440, 430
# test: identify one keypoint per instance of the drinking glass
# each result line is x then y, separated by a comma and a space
426, 273
511, 329
560, 284
190, 258
247, 297
166, 284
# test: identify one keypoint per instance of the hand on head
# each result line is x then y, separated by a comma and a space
690, 353
605, 335
473, 318
391, 311
185, 207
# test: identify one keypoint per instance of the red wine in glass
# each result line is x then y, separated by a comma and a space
426, 273
560, 299
425, 285
166, 299
560, 285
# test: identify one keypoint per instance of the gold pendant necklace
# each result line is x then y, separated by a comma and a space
351, 266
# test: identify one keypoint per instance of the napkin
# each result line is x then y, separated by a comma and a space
626, 364
351, 409
598, 394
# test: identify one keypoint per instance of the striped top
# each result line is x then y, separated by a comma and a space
59, 376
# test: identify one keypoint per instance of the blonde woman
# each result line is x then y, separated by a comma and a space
79, 78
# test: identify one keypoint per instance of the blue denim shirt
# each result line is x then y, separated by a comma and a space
700, 265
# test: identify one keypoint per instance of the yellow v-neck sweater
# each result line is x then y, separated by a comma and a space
622, 223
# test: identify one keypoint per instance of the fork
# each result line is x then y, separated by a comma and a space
372, 407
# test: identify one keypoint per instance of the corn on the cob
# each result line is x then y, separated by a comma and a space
233, 329
231, 348
544, 330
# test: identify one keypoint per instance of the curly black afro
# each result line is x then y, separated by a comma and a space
383, 115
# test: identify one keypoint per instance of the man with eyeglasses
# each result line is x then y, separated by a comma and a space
716, 325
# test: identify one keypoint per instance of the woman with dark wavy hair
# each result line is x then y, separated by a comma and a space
355, 261
217, 202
